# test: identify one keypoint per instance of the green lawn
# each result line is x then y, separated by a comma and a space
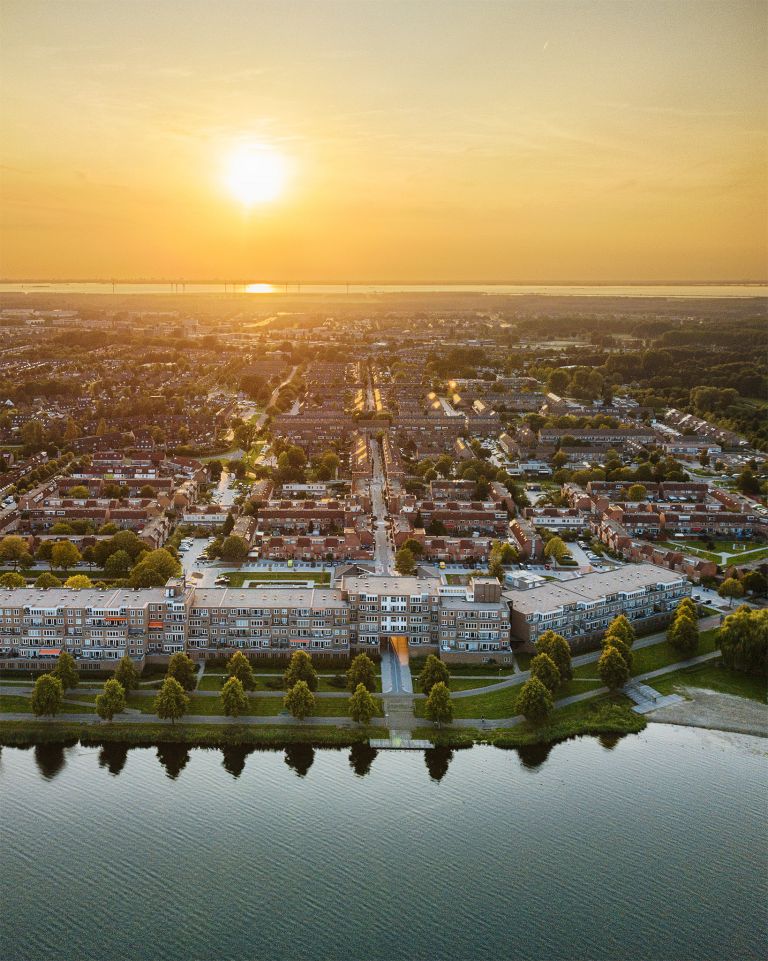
237, 578
213, 682
257, 706
714, 677
659, 655
18, 704
462, 683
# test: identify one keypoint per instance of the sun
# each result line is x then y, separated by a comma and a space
255, 174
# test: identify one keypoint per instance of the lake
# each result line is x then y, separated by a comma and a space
650, 847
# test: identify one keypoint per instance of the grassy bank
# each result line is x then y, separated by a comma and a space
25, 733
713, 677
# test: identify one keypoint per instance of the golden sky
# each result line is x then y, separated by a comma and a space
424, 141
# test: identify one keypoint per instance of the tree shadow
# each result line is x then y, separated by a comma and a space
437, 760
234, 757
300, 758
532, 756
361, 757
50, 758
113, 756
173, 757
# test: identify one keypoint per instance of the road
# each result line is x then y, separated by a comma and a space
262, 418
384, 555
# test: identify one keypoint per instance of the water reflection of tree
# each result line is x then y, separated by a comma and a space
300, 757
437, 760
173, 757
609, 741
113, 756
234, 757
50, 758
361, 757
532, 756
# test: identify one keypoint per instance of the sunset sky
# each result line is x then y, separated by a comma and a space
415, 141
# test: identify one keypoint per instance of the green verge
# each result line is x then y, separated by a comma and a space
25, 733
606, 715
712, 676
238, 578
19, 704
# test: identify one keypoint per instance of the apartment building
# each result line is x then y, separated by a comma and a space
581, 609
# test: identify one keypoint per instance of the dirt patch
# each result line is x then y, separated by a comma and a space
716, 711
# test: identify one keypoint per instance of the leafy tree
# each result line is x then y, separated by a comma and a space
556, 646
66, 671
731, 588
405, 562
111, 701
182, 669
755, 583
534, 701
416, 548
79, 492
126, 674
233, 697
78, 582
118, 564
688, 606
620, 627
12, 579
683, 634
171, 701
747, 483
234, 548
743, 641
545, 669
228, 525
361, 671
439, 708
154, 569
47, 580
637, 492
64, 555
555, 547
362, 706
300, 668
433, 672
613, 640
612, 669
14, 550
238, 666
300, 700
47, 696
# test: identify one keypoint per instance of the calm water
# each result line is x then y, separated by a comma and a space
654, 848
553, 290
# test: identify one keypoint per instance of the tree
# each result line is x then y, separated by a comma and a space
743, 641
64, 555
555, 547
438, 707
414, 546
545, 669
433, 672
182, 668
301, 669
47, 696
556, 646
234, 548
683, 634
171, 701
362, 706
405, 562
126, 674
14, 550
227, 526
66, 671
118, 564
687, 605
612, 669
154, 569
755, 583
747, 483
47, 580
534, 701
78, 582
233, 697
111, 701
613, 640
12, 579
731, 588
239, 667
79, 492
620, 627
300, 700
361, 671
637, 492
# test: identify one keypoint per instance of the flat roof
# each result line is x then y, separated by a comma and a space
268, 597
591, 587
85, 597
389, 584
